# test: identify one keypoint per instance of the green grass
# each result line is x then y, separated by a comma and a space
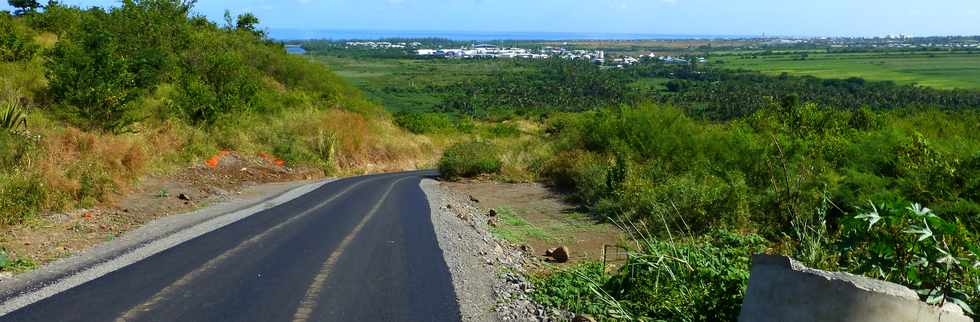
937, 70
403, 85
513, 228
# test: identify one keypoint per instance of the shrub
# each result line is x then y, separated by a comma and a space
915, 247
703, 279
16, 42
573, 289
424, 123
21, 197
469, 159
12, 117
504, 130
92, 78
700, 279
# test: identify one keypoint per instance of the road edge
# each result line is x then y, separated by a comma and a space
154, 237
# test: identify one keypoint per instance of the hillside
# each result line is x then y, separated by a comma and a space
93, 102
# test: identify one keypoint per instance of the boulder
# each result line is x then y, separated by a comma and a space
583, 318
558, 254
493, 213
527, 249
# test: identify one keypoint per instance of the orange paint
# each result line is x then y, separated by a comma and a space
271, 159
213, 161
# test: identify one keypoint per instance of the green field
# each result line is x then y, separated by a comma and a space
937, 70
408, 84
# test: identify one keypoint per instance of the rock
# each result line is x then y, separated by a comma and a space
583, 318
184, 197
527, 249
473, 199
550, 251
560, 254
492, 222
493, 213
449, 206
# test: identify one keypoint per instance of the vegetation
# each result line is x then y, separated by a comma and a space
942, 70
706, 165
702, 279
703, 165
469, 159
94, 99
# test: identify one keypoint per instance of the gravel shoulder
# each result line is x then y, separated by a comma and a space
489, 275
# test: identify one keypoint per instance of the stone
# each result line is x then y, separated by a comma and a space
493, 213
527, 249
184, 197
492, 222
550, 251
473, 199
782, 289
583, 318
560, 254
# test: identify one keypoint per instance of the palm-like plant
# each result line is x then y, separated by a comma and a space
12, 116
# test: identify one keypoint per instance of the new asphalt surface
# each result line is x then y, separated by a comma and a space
356, 249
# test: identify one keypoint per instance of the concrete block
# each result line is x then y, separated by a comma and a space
783, 290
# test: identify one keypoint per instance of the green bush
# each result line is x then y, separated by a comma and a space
16, 41
21, 198
469, 160
703, 279
700, 279
13, 149
572, 289
504, 130
424, 123
915, 247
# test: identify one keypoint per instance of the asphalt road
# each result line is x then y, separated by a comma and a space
356, 249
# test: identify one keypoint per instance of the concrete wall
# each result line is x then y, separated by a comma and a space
783, 290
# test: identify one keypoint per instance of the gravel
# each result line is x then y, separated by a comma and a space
489, 275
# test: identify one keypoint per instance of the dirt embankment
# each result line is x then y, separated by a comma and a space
57, 235
491, 256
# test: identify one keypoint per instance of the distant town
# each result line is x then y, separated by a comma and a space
489, 51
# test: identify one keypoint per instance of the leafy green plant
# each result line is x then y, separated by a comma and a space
915, 247
16, 43
469, 159
21, 198
691, 279
12, 117
15, 264
424, 123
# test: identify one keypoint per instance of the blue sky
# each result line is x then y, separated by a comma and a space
687, 17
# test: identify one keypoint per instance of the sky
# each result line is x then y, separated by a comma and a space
664, 17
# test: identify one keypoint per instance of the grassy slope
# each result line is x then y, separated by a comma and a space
940, 70
53, 165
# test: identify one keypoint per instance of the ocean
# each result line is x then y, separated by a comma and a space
297, 34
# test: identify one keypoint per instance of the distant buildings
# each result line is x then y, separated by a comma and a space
493, 51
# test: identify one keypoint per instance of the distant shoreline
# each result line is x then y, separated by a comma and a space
297, 34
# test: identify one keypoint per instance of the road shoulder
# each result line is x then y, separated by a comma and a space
489, 274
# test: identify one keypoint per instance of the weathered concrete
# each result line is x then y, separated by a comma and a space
781, 289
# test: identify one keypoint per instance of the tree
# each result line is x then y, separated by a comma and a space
24, 6
248, 22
